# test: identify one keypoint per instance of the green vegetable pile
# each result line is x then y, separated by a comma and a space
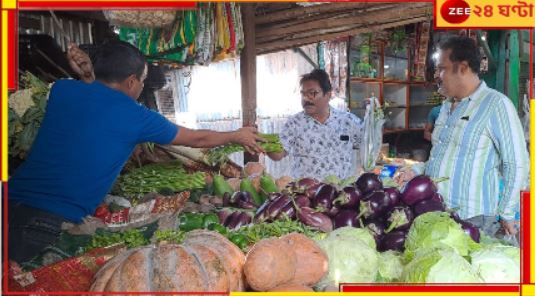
157, 177
25, 114
131, 238
220, 154
245, 236
256, 232
170, 235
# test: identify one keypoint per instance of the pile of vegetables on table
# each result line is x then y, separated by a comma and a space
255, 233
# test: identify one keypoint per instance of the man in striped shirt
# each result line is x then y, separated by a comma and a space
477, 141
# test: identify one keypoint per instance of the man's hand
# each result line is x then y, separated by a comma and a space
248, 138
508, 227
80, 63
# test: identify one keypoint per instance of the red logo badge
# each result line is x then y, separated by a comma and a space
455, 11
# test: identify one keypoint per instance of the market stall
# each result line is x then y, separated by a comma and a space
184, 219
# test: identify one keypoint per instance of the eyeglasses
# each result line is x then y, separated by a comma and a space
309, 94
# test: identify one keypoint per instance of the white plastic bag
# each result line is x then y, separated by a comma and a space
525, 118
373, 134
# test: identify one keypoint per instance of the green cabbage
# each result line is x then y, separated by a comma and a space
439, 265
437, 229
351, 259
362, 234
390, 266
498, 264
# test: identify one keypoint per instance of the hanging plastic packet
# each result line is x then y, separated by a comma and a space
388, 171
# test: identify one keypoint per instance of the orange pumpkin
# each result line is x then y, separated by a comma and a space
206, 261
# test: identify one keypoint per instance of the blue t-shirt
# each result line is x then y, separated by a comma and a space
87, 135
433, 114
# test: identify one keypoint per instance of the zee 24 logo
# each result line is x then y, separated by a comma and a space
458, 11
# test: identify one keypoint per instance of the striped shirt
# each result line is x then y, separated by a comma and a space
476, 145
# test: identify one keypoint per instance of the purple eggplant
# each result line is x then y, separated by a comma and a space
375, 205
226, 199
393, 195
349, 198
261, 213
400, 218
428, 205
223, 214
471, 230
368, 182
277, 205
323, 200
232, 220
241, 220
274, 195
380, 219
377, 229
243, 200
392, 241
417, 189
302, 200
333, 211
456, 217
311, 191
287, 212
304, 185
437, 197
314, 219
346, 218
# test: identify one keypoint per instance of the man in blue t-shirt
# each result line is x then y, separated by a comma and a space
89, 130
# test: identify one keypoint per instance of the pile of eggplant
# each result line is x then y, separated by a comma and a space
238, 210
387, 212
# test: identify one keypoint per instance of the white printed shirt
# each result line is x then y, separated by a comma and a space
319, 150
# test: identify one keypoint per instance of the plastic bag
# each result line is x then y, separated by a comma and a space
525, 118
373, 134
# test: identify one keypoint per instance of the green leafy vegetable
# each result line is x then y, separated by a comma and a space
498, 264
437, 229
439, 265
390, 266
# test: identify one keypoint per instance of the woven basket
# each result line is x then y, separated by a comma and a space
140, 18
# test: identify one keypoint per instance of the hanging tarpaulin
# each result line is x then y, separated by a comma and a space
373, 134
211, 33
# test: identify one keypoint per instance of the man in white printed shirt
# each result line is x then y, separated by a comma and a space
477, 141
321, 140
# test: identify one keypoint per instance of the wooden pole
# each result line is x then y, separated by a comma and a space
248, 71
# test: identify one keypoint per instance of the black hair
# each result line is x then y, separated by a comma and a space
463, 49
321, 77
116, 60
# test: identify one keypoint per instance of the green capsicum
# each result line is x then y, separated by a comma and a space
209, 219
239, 240
190, 221
219, 228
